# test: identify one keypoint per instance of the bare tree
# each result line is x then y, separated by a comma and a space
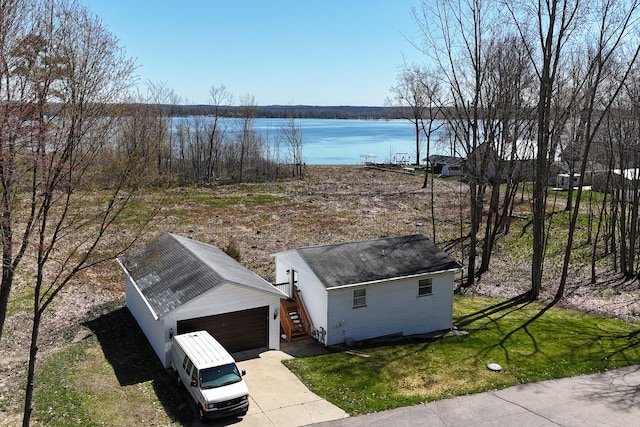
292, 133
605, 149
603, 81
160, 104
410, 99
220, 99
551, 24
246, 135
431, 123
70, 70
141, 131
454, 34
19, 47
623, 133
507, 131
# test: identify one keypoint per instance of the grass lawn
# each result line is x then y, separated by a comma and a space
531, 343
112, 378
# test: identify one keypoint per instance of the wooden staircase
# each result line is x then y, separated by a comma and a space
294, 319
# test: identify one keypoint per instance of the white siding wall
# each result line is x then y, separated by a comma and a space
391, 308
311, 289
152, 328
283, 262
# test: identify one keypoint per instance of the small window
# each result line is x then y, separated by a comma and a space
185, 361
359, 298
425, 287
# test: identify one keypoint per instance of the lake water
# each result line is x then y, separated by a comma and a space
335, 141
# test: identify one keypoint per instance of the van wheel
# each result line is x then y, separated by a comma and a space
201, 413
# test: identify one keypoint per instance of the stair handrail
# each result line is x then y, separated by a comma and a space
285, 320
306, 321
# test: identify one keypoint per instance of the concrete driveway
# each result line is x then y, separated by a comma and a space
278, 398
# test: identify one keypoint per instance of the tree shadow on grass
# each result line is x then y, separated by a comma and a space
591, 334
504, 307
525, 328
133, 360
496, 312
631, 339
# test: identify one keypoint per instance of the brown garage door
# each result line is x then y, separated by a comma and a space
236, 331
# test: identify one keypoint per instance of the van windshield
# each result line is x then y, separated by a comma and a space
219, 376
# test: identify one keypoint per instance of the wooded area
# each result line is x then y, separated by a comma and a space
528, 90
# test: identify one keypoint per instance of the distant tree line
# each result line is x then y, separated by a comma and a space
274, 111
206, 149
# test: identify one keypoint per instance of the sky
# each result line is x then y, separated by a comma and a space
286, 52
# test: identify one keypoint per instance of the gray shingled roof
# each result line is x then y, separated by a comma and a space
374, 260
173, 270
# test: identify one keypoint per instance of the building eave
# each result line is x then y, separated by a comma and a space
133, 282
393, 279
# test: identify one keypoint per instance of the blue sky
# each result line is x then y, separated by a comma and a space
313, 52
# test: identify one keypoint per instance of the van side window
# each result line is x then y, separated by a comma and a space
188, 367
184, 362
194, 375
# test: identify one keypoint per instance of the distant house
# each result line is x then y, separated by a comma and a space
361, 290
556, 168
446, 166
176, 285
515, 161
593, 172
564, 181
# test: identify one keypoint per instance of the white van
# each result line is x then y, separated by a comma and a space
210, 375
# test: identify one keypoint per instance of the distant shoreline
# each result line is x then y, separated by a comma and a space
288, 111
275, 111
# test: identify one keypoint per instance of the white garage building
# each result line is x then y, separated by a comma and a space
176, 285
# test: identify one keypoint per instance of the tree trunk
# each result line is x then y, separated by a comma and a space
595, 240
539, 212
540, 184
473, 233
5, 292
33, 351
417, 128
491, 228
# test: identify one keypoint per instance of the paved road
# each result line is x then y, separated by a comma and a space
607, 399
